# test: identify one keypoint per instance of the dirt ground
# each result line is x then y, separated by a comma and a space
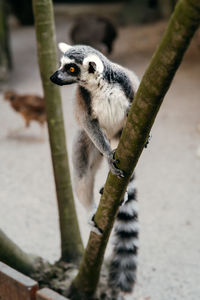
168, 173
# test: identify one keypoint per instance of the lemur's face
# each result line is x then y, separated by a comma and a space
78, 64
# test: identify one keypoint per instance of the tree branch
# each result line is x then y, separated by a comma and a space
147, 101
71, 244
13, 256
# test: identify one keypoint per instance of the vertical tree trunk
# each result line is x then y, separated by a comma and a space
13, 256
71, 243
154, 85
5, 57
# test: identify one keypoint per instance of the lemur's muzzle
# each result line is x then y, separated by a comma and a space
55, 79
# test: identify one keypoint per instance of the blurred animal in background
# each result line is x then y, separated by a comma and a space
31, 107
94, 31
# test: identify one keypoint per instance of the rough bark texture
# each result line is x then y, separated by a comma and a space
153, 87
71, 243
13, 256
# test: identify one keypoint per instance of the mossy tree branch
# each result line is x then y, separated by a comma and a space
147, 101
71, 243
13, 256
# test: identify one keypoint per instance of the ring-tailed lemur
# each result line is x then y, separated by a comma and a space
104, 94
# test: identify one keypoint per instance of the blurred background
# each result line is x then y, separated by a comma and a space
168, 173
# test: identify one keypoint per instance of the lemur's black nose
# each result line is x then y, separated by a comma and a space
54, 77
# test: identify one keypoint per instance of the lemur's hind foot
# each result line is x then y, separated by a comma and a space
92, 223
101, 190
112, 164
148, 140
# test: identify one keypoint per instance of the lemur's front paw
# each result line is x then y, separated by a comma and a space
112, 164
148, 140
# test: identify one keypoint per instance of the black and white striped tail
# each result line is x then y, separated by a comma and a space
122, 273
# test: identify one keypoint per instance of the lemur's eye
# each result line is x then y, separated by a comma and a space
72, 69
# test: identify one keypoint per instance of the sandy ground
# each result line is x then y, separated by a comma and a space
168, 173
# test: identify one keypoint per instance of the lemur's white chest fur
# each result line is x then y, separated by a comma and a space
110, 107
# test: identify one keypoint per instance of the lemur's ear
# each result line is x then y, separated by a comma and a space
64, 47
92, 67
94, 63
